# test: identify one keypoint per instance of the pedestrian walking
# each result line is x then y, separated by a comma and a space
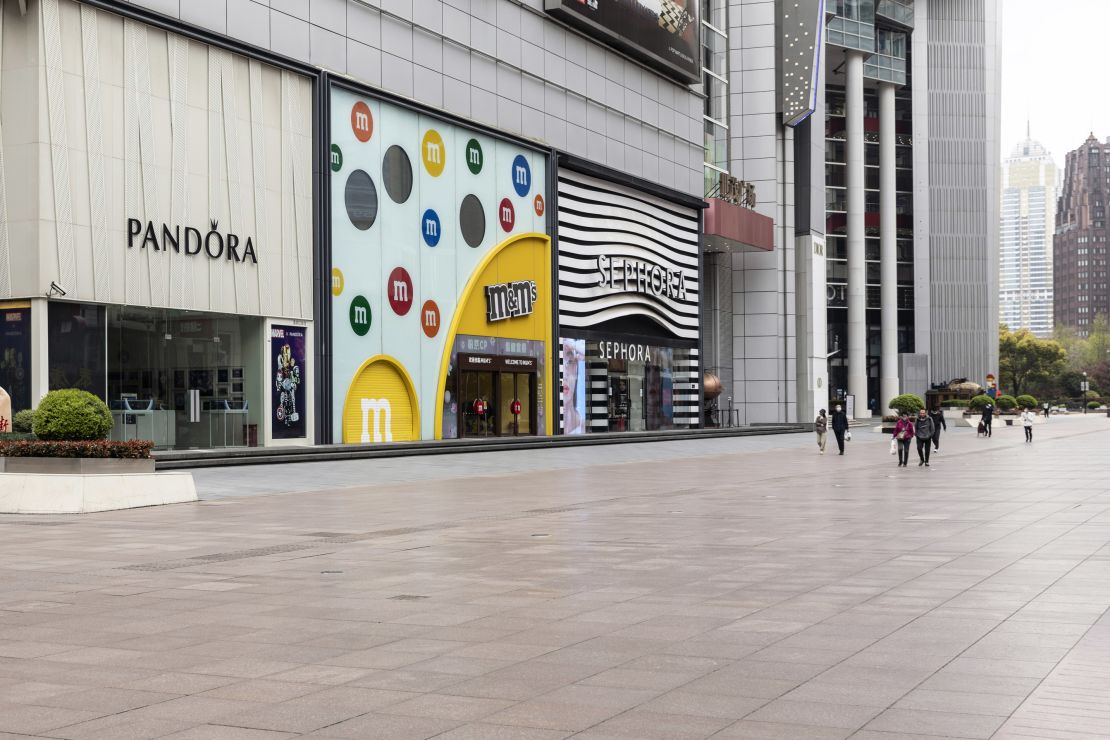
937, 415
988, 415
839, 426
903, 433
821, 426
1046, 410
924, 430
1027, 422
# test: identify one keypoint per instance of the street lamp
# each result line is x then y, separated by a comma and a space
1083, 387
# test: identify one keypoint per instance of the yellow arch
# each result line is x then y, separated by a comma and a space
471, 284
406, 380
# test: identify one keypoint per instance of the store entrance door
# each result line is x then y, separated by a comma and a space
496, 399
516, 403
478, 410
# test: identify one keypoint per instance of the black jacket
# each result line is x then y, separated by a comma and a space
988, 412
839, 421
938, 420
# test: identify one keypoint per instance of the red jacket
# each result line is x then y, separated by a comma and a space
903, 429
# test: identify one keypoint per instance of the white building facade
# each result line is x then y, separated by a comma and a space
1028, 219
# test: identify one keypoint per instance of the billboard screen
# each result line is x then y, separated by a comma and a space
662, 33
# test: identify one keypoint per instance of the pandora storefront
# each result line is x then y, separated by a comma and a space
628, 307
172, 275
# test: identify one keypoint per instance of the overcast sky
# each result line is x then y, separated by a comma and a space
1053, 72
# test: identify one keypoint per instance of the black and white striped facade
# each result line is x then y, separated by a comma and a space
623, 253
629, 277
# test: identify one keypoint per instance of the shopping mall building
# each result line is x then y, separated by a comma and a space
320, 221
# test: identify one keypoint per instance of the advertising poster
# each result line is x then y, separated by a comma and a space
660, 32
15, 355
574, 386
287, 363
425, 215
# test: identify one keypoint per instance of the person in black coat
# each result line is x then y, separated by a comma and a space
839, 426
988, 416
937, 415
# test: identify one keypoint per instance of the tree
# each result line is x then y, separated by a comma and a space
1100, 375
1025, 360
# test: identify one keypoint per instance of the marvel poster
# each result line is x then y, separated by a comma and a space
289, 373
663, 33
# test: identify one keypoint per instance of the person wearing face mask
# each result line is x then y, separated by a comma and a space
924, 430
903, 433
839, 426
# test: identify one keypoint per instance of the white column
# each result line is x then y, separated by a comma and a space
888, 234
857, 266
40, 350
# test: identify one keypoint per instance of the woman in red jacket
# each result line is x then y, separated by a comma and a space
903, 433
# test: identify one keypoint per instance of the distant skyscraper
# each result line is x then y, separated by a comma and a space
1079, 268
1029, 178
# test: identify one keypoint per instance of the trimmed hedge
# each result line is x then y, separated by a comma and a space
980, 402
907, 403
1006, 403
1093, 405
6, 436
136, 449
23, 421
72, 414
1027, 402
955, 403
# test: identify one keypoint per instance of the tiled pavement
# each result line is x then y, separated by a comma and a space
673, 591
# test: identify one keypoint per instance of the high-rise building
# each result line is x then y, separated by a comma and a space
912, 125
1029, 177
1079, 270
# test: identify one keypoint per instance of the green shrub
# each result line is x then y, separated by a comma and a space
955, 403
72, 414
1027, 402
1093, 404
23, 421
1006, 403
980, 401
907, 403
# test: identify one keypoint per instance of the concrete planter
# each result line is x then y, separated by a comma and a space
75, 465
52, 485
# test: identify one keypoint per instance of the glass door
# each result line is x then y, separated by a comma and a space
516, 403
637, 416
477, 404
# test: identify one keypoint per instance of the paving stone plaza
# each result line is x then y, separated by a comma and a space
728, 588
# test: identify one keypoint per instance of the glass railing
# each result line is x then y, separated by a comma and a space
898, 11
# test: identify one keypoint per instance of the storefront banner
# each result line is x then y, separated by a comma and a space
420, 208
663, 33
289, 369
573, 368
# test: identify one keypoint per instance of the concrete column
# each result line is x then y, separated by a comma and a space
857, 266
888, 234
40, 349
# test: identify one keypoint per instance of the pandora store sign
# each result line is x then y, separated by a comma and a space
190, 241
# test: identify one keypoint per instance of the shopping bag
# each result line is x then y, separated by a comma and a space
848, 436
893, 446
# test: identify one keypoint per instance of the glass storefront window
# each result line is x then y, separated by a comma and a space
15, 355
184, 379
618, 386
76, 347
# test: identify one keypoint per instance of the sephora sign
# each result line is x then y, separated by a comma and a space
190, 241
